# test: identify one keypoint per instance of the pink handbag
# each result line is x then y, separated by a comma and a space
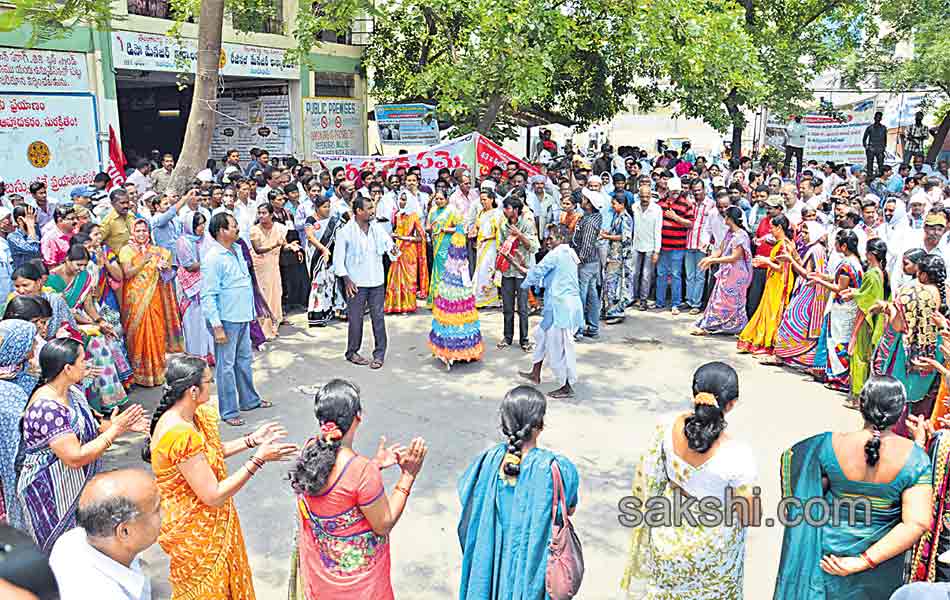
562, 580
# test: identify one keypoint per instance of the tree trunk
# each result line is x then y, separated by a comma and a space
488, 118
197, 144
738, 123
939, 139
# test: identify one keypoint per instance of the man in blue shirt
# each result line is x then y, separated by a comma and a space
563, 312
227, 300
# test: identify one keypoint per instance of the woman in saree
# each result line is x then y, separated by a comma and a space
268, 237
869, 326
261, 310
106, 271
105, 348
17, 343
619, 267
200, 530
443, 220
28, 280
832, 361
930, 560
725, 311
758, 336
798, 334
487, 241
198, 339
884, 478
912, 333
149, 309
344, 515
62, 444
294, 280
408, 274
326, 296
506, 495
692, 456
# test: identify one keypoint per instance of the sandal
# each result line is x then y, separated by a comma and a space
235, 422
358, 360
503, 344
560, 395
376, 364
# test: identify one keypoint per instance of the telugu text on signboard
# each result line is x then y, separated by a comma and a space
333, 126
50, 138
151, 52
42, 71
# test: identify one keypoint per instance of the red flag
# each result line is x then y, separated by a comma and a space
116, 161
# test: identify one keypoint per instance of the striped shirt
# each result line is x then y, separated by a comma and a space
674, 235
699, 234
584, 240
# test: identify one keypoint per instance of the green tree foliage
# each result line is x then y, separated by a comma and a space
910, 50
483, 60
782, 45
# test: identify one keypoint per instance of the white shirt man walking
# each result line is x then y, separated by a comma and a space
358, 261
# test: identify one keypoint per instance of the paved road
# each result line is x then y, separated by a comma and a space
635, 374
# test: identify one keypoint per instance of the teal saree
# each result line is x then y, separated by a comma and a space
800, 576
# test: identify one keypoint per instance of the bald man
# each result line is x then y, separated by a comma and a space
117, 518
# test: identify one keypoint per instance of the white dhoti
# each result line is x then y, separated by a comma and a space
555, 346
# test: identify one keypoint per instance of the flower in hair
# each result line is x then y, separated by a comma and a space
705, 398
330, 431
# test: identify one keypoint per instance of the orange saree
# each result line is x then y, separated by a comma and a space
205, 545
149, 315
408, 274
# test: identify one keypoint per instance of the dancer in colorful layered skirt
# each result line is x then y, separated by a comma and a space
725, 311
488, 241
797, 338
912, 335
149, 309
832, 361
563, 312
758, 336
408, 274
443, 221
456, 335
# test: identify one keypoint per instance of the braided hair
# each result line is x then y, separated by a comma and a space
184, 372
882, 402
522, 412
336, 406
878, 249
706, 424
936, 270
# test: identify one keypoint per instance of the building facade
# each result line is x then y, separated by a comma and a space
59, 99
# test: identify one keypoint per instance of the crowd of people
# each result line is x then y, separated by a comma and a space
829, 269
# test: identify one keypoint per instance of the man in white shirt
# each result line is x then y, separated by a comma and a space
272, 179
140, 176
117, 518
464, 198
796, 135
647, 235
358, 261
